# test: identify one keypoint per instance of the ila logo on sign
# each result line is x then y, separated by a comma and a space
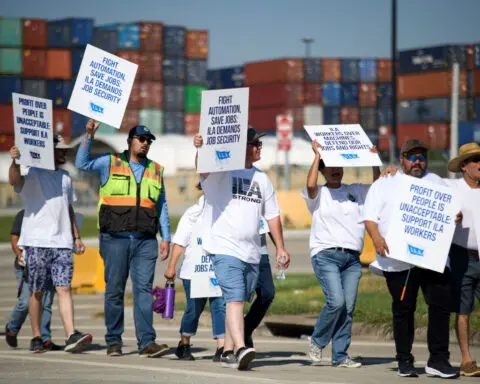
350, 156
415, 251
96, 108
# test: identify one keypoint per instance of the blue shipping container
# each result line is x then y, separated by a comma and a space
384, 95
432, 58
128, 36
368, 119
70, 33
476, 55
232, 77
312, 70
37, 88
213, 79
350, 70
476, 108
438, 110
373, 136
332, 94
196, 72
174, 70
409, 111
105, 39
384, 116
349, 94
368, 70
173, 123
77, 57
174, 41
173, 97
7, 86
59, 91
78, 124
331, 115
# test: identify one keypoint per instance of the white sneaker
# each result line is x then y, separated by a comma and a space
315, 353
349, 363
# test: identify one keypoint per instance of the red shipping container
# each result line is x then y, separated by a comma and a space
150, 67
476, 82
367, 94
264, 119
312, 93
428, 85
6, 119
6, 142
271, 95
151, 36
191, 123
331, 70
35, 63
274, 71
132, 56
196, 45
349, 115
130, 120
384, 70
35, 33
59, 64
151, 94
134, 100
384, 133
62, 123
435, 135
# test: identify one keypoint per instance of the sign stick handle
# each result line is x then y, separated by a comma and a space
405, 286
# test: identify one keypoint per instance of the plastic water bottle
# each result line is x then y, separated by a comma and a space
280, 268
169, 297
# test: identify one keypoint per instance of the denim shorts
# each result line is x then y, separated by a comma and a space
236, 278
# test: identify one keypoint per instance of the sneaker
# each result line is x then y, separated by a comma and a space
36, 345
348, 363
315, 353
406, 369
248, 341
470, 369
218, 354
228, 360
114, 350
77, 342
10, 338
441, 369
154, 350
244, 358
49, 345
183, 352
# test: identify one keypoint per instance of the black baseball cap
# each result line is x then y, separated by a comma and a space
412, 144
140, 130
253, 135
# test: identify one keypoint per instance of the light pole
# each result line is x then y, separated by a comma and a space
307, 41
393, 134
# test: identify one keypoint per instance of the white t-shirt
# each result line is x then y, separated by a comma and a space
235, 201
46, 196
465, 235
188, 236
336, 217
379, 206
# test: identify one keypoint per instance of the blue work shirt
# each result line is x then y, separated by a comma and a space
101, 164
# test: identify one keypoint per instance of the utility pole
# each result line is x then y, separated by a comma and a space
393, 135
307, 41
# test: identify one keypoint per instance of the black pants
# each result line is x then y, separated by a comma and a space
436, 291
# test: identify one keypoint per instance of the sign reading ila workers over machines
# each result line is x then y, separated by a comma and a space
33, 131
344, 145
223, 126
422, 223
103, 86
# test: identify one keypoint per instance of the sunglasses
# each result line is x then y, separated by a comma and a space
144, 139
257, 143
474, 159
414, 158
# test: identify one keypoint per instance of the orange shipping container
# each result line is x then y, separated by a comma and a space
476, 82
331, 70
191, 123
274, 71
132, 56
59, 64
151, 94
130, 120
427, 85
150, 67
367, 94
34, 33
384, 70
6, 142
35, 63
196, 45
151, 36
264, 119
435, 135
350, 115
6, 119
134, 100
384, 133
312, 93
62, 123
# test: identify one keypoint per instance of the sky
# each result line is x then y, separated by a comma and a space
253, 30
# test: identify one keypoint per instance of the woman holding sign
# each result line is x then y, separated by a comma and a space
336, 241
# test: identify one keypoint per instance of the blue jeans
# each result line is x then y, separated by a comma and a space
20, 312
194, 310
265, 293
338, 274
121, 256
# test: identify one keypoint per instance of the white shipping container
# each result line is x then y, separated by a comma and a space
312, 115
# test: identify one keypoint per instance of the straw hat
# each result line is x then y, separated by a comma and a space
464, 152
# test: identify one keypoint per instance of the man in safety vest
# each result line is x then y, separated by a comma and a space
131, 210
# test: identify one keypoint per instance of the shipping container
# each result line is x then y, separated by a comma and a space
350, 69
174, 41
313, 115
77, 57
7, 86
151, 36
312, 93
193, 98
431, 58
10, 32
427, 85
274, 71
409, 111
468, 132
368, 70
10, 61
150, 67
384, 116
128, 36
34, 87
174, 70
173, 98
225, 78
173, 123
349, 94
132, 56
6, 120
367, 94
331, 70
68, 33
213, 79
384, 95
477, 108
373, 136
471, 109
130, 120
59, 64
476, 56
435, 135
331, 115
105, 39
78, 124
264, 119
368, 119
59, 92
312, 70
134, 99
475, 83
271, 95
152, 118
151, 94
384, 70
6, 142
470, 85
34, 63
196, 45
349, 115
439, 110
62, 123
384, 134
191, 123
332, 94
196, 72
35, 33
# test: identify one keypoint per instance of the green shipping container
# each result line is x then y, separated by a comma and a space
10, 61
153, 119
107, 129
11, 31
193, 98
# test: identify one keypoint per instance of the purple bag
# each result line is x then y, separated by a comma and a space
164, 300
158, 300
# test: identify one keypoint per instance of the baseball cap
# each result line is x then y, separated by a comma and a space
253, 135
412, 144
140, 130
59, 142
